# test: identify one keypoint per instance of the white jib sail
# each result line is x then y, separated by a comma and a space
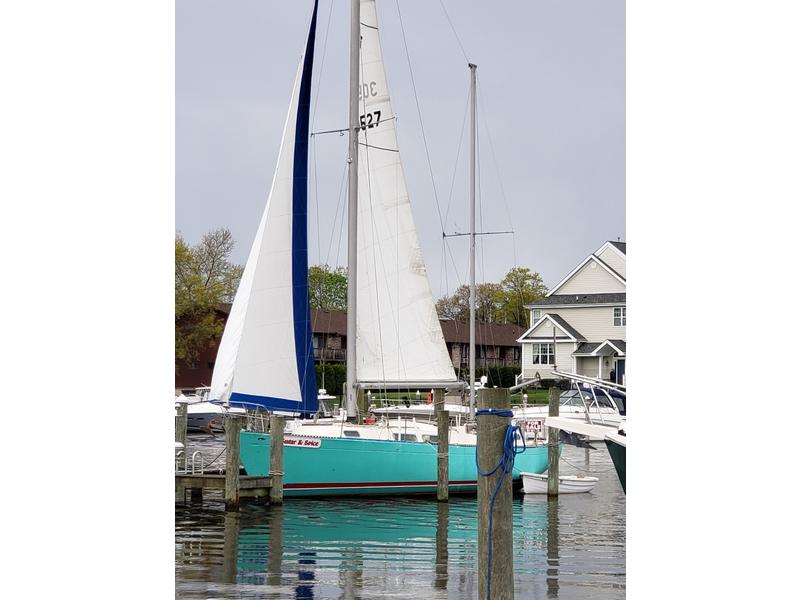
256, 355
399, 337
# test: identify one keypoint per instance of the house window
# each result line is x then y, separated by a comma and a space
543, 354
536, 314
619, 316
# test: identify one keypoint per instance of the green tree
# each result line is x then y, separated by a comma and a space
502, 302
327, 287
519, 287
488, 301
204, 277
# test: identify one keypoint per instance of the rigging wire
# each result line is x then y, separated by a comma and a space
488, 129
316, 198
335, 215
322, 64
453, 29
311, 128
458, 155
419, 116
341, 218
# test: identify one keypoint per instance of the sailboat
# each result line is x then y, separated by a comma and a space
265, 356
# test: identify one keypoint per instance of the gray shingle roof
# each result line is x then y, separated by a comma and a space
619, 344
566, 326
608, 266
586, 348
579, 299
619, 246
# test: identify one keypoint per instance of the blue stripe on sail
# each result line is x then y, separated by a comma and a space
304, 349
250, 401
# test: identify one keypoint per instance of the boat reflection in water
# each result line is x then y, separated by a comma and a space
391, 547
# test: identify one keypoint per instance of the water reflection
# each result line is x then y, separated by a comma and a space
572, 547
230, 547
552, 547
275, 548
442, 512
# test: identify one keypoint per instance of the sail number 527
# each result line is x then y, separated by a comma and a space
370, 119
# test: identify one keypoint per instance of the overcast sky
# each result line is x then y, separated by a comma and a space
551, 78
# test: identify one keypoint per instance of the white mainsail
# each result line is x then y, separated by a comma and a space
265, 355
399, 337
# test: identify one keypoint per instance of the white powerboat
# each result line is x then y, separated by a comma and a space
535, 483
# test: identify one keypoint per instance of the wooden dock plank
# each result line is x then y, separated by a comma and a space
217, 482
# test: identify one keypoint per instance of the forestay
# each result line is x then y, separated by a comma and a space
398, 333
266, 356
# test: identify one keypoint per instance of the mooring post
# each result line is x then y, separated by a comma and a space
443, 452
181, 423
276, 429
491, 435
233, 425
552, 444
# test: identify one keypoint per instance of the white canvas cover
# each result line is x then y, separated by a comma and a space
398, 333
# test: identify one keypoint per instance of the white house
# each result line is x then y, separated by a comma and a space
579, 326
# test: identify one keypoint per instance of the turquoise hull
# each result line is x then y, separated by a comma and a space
346, 466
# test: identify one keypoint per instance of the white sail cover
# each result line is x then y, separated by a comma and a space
398, 333
265, 355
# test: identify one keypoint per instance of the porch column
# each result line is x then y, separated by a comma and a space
599, 367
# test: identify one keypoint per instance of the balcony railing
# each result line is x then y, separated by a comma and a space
330, 355
491, 362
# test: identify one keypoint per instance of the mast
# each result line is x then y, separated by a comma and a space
472, 135
352, 206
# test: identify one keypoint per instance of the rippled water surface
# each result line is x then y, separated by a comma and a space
573, 547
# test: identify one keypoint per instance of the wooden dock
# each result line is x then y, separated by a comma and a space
249, 487
232, 482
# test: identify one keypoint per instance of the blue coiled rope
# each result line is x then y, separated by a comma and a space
506, 464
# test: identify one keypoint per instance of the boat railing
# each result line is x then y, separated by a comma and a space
596, 404
601, 383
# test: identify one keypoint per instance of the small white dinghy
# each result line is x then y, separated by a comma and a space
535, 483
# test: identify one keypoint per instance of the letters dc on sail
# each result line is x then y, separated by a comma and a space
266, 355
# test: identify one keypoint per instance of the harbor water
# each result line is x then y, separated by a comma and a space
571, 547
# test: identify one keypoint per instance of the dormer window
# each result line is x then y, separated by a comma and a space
619, 316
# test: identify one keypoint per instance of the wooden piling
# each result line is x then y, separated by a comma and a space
552, 444
181, 423
491, 434
276, 429
233, 425
443, 452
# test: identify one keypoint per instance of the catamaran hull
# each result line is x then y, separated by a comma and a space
341, 466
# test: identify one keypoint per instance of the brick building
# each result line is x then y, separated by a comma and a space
495, 345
